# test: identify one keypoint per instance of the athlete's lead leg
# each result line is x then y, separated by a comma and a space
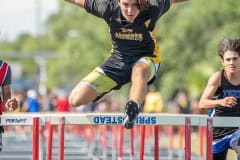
138, 90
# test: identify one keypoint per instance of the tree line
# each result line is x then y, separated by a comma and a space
188, 37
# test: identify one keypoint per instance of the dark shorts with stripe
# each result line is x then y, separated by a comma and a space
114, 73
120, 71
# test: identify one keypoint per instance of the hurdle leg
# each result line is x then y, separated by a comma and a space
49, 141
180, 142
200, 139
156, 144
61, 138
187, 138
170, 141
120, 144
131, 143
35, 138
209, 138
142, 137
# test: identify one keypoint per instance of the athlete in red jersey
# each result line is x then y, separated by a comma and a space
6, 102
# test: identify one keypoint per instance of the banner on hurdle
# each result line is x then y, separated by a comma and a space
115, 119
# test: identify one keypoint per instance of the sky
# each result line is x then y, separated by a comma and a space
18, 16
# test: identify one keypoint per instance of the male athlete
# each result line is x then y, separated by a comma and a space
5, 99
224, 86
135, 56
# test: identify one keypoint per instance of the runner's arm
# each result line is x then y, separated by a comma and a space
77, 2
207, 101
9, 103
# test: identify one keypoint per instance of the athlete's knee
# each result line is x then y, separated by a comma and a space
74, 100
141, 71
81, 95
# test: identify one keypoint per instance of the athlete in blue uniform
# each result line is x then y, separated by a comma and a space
224, 86
135, 56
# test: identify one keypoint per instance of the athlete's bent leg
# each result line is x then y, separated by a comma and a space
82, 94
92, 87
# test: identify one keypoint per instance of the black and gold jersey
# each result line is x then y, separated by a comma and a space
130, 41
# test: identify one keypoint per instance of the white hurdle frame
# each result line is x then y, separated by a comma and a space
61, 119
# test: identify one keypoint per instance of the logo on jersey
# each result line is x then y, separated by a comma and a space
128, 34
126, 30
231, 93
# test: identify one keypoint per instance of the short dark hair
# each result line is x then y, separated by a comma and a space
143, 4
228, 44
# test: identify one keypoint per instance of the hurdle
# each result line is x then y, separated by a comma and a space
155, 119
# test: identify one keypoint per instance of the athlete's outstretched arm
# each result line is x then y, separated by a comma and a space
175, 1
77, 2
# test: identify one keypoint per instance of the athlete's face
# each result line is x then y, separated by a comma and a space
231, 62
129, 9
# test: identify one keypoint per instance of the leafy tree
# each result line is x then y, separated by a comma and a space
188, 38
189, 35
83, 43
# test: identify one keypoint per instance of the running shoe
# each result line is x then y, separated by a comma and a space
131, 113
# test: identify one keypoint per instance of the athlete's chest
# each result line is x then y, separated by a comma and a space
229, 90
136, 31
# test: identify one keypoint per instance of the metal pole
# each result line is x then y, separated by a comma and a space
200, 139
187, 138
132, 143
142, 137
49, 141
156, 144
35, 138
120, 145
209, 138
61, 138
